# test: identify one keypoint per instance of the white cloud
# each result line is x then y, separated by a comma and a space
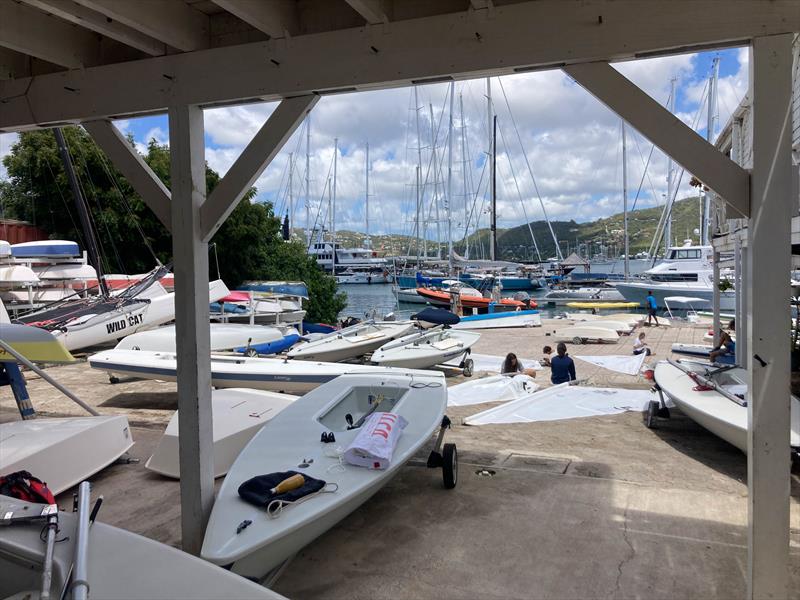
6, 141
572, 143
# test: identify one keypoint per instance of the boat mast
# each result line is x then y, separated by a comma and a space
493, 254
333, 207
450, 181
490, 129
92, 247
670, 177
291, 194
625, 198
417, 108
705, 218
308, 175
435, 193
464, 173
366, 200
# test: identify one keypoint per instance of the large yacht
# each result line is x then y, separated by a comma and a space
357, 258
685, 271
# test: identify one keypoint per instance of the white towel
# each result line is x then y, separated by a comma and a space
374, 445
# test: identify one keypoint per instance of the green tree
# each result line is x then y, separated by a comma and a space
247, 246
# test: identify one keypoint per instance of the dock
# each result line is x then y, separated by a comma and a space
592, 507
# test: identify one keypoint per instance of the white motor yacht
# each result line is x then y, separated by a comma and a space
686, 271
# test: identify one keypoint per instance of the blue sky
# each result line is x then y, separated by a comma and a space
572, 144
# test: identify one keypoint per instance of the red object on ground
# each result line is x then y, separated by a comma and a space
236, 297
443, 298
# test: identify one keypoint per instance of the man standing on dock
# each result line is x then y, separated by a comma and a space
651, 307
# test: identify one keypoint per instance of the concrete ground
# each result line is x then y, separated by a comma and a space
598, 507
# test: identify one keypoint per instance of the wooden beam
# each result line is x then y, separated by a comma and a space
138, 173
254, 159
517, 37
172, 22
276, 18
190, 254
32, 32
666, 131
85, 17
373, 11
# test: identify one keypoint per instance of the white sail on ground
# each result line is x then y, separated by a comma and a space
563, 401
294, 435
625, 364
498, 388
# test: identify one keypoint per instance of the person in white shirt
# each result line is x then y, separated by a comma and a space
640, 346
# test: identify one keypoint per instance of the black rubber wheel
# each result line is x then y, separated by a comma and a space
577, 341
469, 365
651, 414
113, 379
450, 466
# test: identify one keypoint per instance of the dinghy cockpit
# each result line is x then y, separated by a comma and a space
350, 410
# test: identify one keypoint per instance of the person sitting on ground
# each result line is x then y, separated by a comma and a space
512, 366
652, 305
547, 351
641, 347
563, 367
726, 344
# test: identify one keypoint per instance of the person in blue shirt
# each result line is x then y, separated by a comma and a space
562, 366
726, 344
651, 307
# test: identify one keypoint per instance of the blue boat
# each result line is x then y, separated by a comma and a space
274, 347
46, 249
288, 288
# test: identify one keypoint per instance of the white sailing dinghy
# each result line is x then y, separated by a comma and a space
63, 452
236, 414
242, 537
271, 374
498, 388
714, 399
426, 348
224, 336
581, 334
352, 342
117, 564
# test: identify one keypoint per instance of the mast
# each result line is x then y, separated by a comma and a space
491, 128
670, 177
705, 218
493, 248
450, 180
435, 193
291, 193
464, 173
92, 247
417, 108
308, 175
366, 200
625, 198
333, 206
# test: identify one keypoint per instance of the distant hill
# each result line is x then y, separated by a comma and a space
515, 243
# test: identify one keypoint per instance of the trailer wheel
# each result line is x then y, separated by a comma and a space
577, 341
113, 379
450, 466
251, 353
469, 365
650, 414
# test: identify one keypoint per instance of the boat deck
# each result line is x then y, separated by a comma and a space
595, 507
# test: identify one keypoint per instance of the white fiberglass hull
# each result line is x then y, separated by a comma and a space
425, 349
104, 328
526, 318
271, 374
351, 342
636, 291
224, 336
712, 410
17, 275
586, 333
237, 415
63, 452
410, 296
294, 433
120, 565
